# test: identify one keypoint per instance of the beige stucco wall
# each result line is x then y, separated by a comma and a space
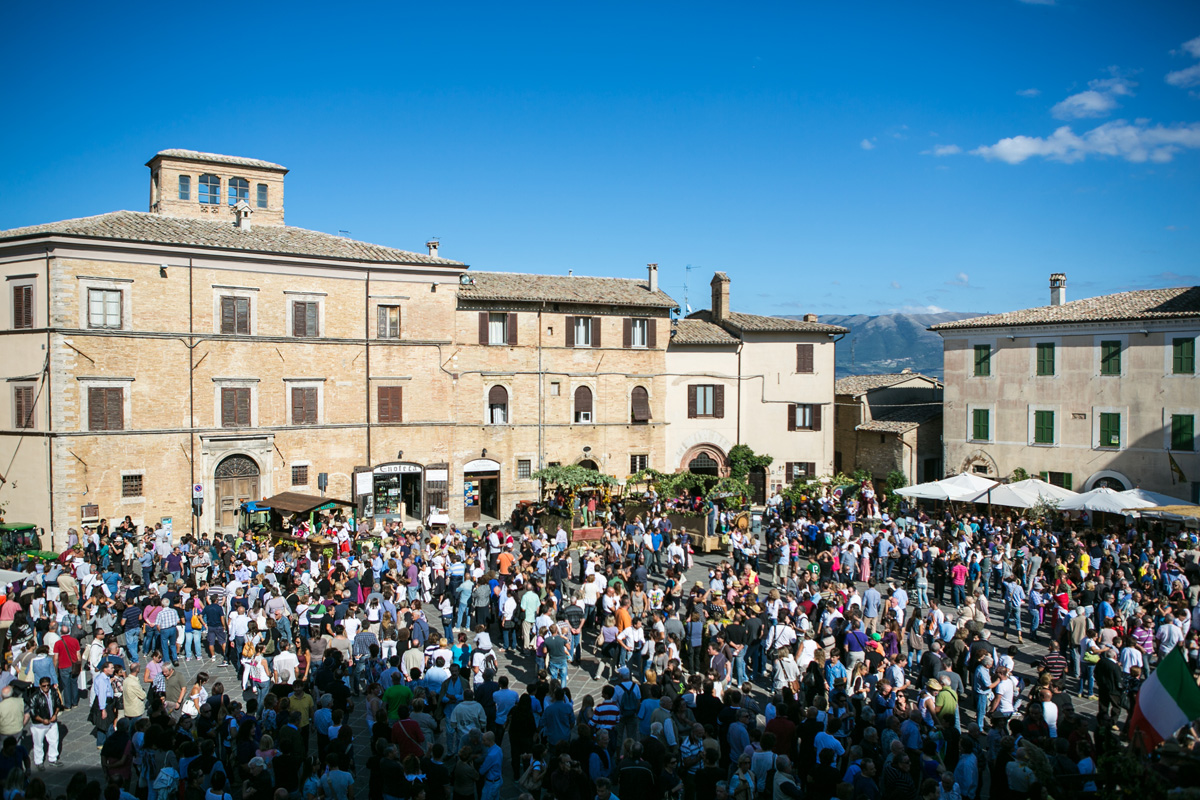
1146, 394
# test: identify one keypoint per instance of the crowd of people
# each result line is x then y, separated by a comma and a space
830, 654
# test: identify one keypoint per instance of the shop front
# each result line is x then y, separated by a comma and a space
481, 490
398, 491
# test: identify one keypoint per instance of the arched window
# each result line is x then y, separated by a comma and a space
639, 406
210, 190
583, 404
497, 406
239, 189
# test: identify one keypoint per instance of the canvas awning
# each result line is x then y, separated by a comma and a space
297, 503
1105, 501
1027, 493
960, 488
1176, 512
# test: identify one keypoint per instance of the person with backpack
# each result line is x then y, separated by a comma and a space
628, 697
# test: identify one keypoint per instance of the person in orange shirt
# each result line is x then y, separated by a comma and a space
505, 560
624, 618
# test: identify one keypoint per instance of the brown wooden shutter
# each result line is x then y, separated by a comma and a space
719, 401
570, 331
114, 409
242, 317
804, 358
299, 414
311, 326
391, 404
497, 396
789, 471
595, 331
691, 402
298, 319
483, 328
228, 316
228, 408
652, 333
95, 409
791, 416
640, 402
816, 416
810, 469
627, 333
243, 407
583, 400
22, 306
23, 399
512, 330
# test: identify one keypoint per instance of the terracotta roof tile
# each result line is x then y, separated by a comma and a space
525, 287
698, 331
902, 419
236, 161
137, 226
861, 384
755, 323
1144, 304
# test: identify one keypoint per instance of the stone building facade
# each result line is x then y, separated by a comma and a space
767, 382
1095, 392
890, 422
207, 344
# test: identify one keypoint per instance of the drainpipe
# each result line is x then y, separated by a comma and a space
192, 393
49, 402
367, 379
738, 429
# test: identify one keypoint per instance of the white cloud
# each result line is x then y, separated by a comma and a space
1135, 142
895, 284
1185, 78
961, 279
1192, 47
943, 150
916, 309
1029, 92
1098, 100
867, 144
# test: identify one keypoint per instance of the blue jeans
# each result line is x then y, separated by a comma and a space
1087, 681
558, 669
131, 644
981, 704
1012, 616
70, 688
739, 667
922, 596
508, 638
150, 643
958, 595
191, 643
167, 637
461, 622
576, 652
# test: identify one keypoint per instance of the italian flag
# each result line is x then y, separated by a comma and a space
1167, 701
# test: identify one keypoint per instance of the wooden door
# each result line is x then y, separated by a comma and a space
235, 481
758, 485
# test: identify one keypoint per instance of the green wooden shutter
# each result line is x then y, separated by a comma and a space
1045, 359
1110, 430
983, 360
980, 424
1043, 427
1110, 358
1183, 356
1183, 432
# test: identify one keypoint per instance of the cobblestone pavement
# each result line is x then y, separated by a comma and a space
80, 752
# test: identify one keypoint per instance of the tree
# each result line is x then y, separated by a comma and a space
742, 459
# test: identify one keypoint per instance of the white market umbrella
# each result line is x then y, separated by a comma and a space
1027, 493
1154, 498
960, 488
1105, 501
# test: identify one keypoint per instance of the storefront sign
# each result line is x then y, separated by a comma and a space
363, 483
391, 469
433, 475
482, 465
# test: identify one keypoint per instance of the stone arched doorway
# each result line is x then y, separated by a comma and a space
1108, 479
235, 480
587, 463
705, 459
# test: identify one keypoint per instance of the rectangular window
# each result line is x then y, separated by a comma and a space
300, 475
106, 409
235, 407
983, 360
524, 469
497, 328
391, 403
1110, 358
1183, 432
583, 331
639, 330
1043, 427
22, 305
1110, 430
235, 315
980, 424
555, 388
1060, 479
304, 318
389, 322
638, 463
804, 359
185, 187
704, 401
24, 409
304, 405
131, 486
104, 308
262, 203
1183, 356
803, 416
1045, 358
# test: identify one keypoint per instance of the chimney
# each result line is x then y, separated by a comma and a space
241, 215
433, 244
653, 268
1058, 288
810, 317
720, 296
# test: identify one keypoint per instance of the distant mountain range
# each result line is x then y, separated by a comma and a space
890, 342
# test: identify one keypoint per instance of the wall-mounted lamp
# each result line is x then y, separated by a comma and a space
400, 455
433, 287
162, 270
484, 452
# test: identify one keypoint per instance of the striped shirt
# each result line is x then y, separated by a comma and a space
688, 748
167, 618
606, 716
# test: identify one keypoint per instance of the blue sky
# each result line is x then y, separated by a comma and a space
833, 158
